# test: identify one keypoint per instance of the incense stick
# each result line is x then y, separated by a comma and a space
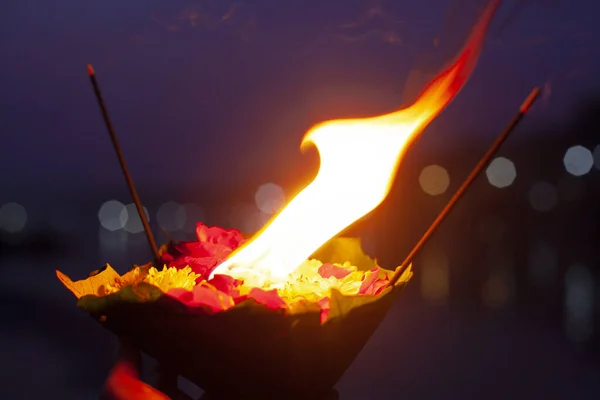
113, 137
472, 176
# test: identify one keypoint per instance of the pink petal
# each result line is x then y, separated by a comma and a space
269, 298
231, 238
328, 270
324, 303
184, 296
370, 278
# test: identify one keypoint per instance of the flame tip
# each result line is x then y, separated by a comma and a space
358, 162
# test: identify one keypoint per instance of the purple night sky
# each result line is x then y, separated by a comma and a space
205, 92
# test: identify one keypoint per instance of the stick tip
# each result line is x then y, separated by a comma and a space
90, 69
529, 100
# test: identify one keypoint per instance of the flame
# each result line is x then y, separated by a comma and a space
359, 159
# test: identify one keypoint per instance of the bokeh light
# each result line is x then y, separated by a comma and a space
501, 172
579, 303
171, 216
194, 214
578, 160
543, 196
269, 198
112, 243
435, 276
434, 180
13, 217
543, 265
113, 215
133, 222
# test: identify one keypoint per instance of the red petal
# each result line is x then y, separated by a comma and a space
226, 284
184, 296
324, 303
165, 257
238, 299
220, 251
328, 270
269, 298
231, 238
195, 249
200, 265
207, 296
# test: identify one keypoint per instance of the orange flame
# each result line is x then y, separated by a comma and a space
359, 159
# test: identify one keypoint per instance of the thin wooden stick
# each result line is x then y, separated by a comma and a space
461, 190
113, 137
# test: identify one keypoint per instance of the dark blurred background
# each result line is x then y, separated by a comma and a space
210, 100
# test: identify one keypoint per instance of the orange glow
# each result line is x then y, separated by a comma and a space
359, 159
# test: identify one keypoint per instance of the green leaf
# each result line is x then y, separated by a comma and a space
341, 249
140, 293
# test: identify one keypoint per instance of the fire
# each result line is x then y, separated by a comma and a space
359, 159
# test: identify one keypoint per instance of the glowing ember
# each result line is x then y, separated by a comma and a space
359, 158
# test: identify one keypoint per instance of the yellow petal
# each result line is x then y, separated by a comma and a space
406, 275
94, 285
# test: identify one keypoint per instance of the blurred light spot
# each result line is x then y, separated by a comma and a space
13, 217
578, 160
543, 265
194, 214
596, 156
133, 222
269, 198
171, 216
247, 218
543, 196
113, 215
112, 243
435, 282
571, 188
491, 229
579, 303
434, 180
501, 172
496, 291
